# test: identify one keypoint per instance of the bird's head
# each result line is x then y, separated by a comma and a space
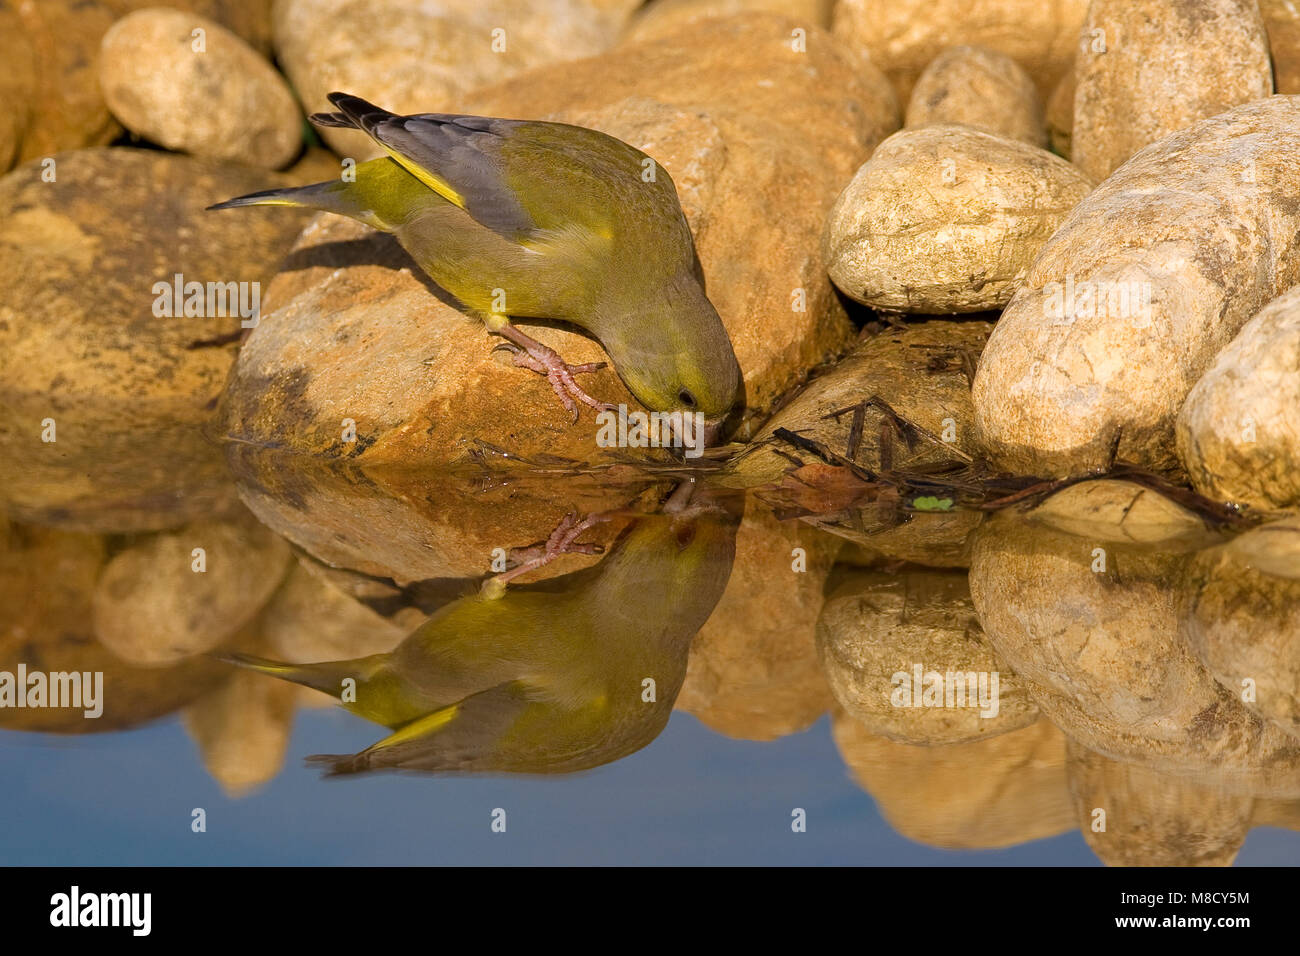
674, 354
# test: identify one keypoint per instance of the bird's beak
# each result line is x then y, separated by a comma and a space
693, 433
696, 435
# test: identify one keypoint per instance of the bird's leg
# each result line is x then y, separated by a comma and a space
563, 540
532, 354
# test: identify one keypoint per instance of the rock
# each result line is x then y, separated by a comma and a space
995, 792
1273, 548
412, 56
1237, 432
1096, 633
982, 88
53, 49
1282, 21
1244, 625
1153, 819
1161, 68
947, 219
1130, 300
1120, 512
157, 602
753, 671
309, 620
250, 20
242, 730
47, 578
939, 539
84, 348
315, 165
1277, 813
344, 311
1060, 115
661, 17
222, 101
904, 36
878, 632
17, 84
921, 372
413, 525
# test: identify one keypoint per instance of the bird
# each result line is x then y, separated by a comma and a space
543, 220
548, 677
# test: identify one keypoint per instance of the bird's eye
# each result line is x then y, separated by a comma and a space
686, 398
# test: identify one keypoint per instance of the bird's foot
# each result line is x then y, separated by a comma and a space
563, 540
530, 354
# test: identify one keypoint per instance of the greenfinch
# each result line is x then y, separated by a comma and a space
527, 219
558, 676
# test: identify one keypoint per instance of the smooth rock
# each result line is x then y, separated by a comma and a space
242, 730
1121, 512
1282, 21
308, 620
874, 631
47, 578
1130, 300
223, 102
921, 372
417, 56
1238, 433
946, 219
753, 671
414, 525
1273, 548
52, 47
1096, 633
982, 88
1153, 819
1244, 625
904, 36
996, 792
157, 602
1148, 68
248, 19
660, 17
128, 391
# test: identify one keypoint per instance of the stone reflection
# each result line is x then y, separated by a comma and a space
1110, 663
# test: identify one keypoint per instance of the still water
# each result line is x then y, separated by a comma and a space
322, 666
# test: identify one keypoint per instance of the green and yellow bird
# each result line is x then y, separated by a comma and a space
558, 676
526, 219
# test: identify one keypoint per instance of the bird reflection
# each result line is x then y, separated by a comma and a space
554, 677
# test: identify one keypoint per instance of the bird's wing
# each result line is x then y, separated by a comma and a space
458, 157
462, 736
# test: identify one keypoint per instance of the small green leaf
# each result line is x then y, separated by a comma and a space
931, 503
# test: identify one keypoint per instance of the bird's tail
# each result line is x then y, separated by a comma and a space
378, 754
329, 197
326, 677
353, 113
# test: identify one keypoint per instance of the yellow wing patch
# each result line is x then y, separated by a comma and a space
429, 178
420, 727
